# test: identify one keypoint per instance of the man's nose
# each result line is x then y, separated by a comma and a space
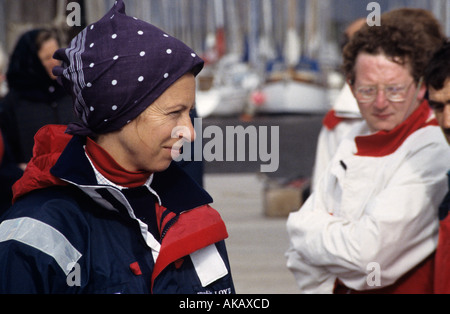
381, 100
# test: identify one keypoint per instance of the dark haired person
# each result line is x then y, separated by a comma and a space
437, 77
101, 207
438, 81
370, 226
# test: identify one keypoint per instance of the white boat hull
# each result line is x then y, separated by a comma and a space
294, 97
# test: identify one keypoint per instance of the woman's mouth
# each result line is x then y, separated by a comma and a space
174, 151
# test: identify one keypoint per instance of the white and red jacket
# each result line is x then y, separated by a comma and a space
337, 123
376, 205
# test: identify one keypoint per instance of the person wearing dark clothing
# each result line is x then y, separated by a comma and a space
102, 207
35, 98
9, 174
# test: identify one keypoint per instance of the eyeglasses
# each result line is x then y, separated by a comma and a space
394, 93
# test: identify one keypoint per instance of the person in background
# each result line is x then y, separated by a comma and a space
9, 174
3, 65
9, 171
34, 98
438, 81
345, 112
371, 226
102, 207
437, 77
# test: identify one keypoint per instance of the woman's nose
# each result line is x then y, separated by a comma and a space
192, 133
186, 130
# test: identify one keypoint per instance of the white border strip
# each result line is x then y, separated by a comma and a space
42, 237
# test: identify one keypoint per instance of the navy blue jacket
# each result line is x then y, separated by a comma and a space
68, 234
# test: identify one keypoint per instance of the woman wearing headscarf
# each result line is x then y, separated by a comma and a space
35, 98
101, 207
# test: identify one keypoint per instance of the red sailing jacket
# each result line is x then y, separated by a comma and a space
442, 263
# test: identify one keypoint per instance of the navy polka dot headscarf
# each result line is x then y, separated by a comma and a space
117, 67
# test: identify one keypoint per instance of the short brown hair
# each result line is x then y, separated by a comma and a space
409, 37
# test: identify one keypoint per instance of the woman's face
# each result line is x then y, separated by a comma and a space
45, 54
395, 94
146, 143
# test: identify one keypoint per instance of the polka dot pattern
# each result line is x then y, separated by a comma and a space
119, 65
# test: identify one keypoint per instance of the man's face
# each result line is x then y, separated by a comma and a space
440, 102
386, 92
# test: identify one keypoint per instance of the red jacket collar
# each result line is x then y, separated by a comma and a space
194, 230
331, 120
384, 143
50, 142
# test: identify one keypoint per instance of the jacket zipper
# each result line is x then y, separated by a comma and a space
169, 224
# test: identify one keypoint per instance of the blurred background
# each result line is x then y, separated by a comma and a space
268, 63
249, 45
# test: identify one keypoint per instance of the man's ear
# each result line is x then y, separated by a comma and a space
422, 91
350, 83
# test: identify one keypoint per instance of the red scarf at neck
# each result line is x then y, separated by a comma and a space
111, 170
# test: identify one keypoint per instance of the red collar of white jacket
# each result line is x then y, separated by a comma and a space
384, 143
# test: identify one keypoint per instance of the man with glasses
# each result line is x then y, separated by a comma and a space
437, 77
370, 226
